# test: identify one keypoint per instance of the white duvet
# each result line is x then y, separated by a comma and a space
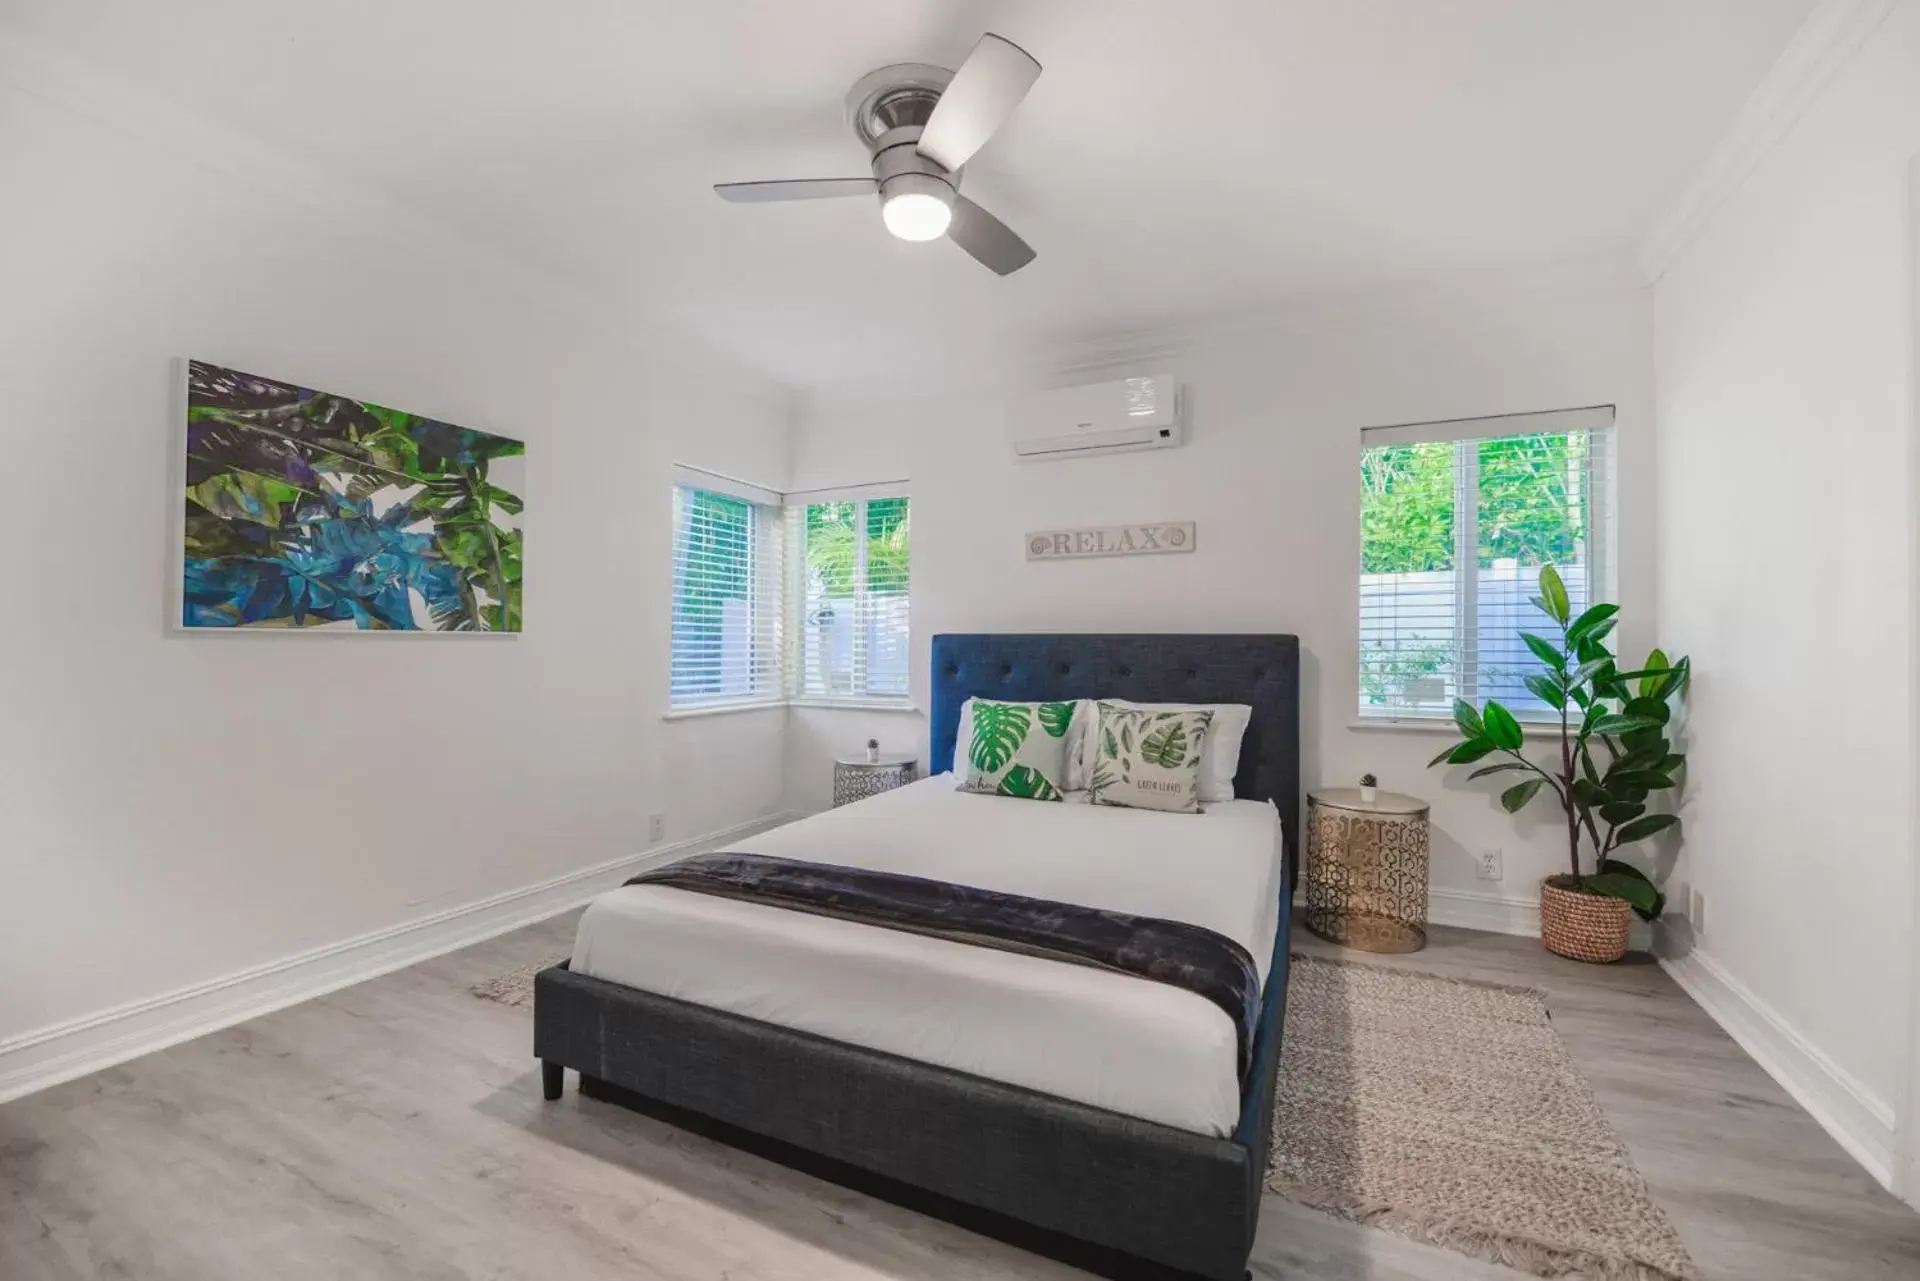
1115, 1041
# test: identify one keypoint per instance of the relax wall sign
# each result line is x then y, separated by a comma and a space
1154, 539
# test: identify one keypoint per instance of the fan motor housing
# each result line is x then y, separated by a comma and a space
898, 168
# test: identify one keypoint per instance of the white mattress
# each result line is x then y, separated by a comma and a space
1112, 1040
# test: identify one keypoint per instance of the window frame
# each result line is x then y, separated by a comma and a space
1465, 435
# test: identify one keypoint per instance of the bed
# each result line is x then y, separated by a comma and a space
1092, 1115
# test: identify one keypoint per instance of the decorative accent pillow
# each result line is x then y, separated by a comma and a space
1079, 743
1150, 760
1221, 760
1018, 749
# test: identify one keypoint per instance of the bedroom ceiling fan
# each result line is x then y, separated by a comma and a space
921, 124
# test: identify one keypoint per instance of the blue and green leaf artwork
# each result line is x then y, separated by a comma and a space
308, 510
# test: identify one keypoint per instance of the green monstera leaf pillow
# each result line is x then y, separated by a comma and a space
1150, 759
1018, 750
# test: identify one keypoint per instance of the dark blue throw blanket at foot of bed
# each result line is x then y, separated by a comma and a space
1171, 952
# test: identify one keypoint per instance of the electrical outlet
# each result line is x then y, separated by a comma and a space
656, 828
1492, 865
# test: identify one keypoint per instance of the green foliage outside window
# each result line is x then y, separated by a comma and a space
712, 572
1531, 503
833, 546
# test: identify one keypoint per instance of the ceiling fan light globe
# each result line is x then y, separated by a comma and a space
916, 215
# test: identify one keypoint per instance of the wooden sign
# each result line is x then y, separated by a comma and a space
1154, 539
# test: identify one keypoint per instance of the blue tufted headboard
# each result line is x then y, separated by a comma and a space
1263, 671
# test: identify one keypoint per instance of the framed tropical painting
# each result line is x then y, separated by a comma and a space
306, 510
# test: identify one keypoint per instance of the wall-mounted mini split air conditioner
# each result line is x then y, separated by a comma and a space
1099, 418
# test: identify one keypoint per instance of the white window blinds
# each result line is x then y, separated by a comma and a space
1456, 519
727, 594
853, 577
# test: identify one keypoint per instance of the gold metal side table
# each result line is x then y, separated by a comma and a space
1366, 873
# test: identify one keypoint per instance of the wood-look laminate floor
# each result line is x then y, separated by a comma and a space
396, 1130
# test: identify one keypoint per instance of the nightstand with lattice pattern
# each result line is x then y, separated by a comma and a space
1366, 869
855, 777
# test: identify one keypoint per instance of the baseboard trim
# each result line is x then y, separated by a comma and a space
1858, 1120
1495, 913
48, 1056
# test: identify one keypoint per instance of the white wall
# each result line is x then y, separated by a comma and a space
1783, 357
178, 808
1272, 477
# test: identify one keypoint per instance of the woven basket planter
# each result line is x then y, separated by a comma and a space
1582, 927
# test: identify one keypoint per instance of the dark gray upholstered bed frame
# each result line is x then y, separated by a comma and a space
1111, 1192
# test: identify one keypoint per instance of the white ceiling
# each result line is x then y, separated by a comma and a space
1175, 160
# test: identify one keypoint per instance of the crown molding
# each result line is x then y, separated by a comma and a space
1823, 44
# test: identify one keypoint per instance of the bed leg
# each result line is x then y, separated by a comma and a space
553, 1078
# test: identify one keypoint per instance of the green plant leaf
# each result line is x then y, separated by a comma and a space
1654, 709
1025, 782
1468, 752
1623, 724
1467, 718
1615, 812
1587, 671
1589, 793
998, 731
1520, 793
1055, 717
1554, 593
1645, 779
1653, 684
1614, 865
1485, 770
1109, 746
1547, 690
1587, 621
1544, 650
1598, 632
1503, 731
1641, 828
1166, 746
1637, 891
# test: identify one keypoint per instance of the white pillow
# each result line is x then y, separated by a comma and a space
1080, 737
1222, 760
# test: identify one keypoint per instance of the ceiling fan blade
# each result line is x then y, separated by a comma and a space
990, 241
984, 92
753, 193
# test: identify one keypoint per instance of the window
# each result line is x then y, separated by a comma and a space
852, 617
1456, 519
727, 556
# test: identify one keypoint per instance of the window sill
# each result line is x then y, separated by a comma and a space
722, 709
1407, 724
857, 704
1432, 725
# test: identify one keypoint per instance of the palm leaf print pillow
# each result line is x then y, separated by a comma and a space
1150, 760
1018, 749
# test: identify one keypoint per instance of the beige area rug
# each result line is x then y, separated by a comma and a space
1450, 1112
1443, 1110
515, 987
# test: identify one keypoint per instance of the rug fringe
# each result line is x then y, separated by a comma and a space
1535, 1258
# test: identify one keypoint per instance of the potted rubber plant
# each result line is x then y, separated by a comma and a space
1612, 756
